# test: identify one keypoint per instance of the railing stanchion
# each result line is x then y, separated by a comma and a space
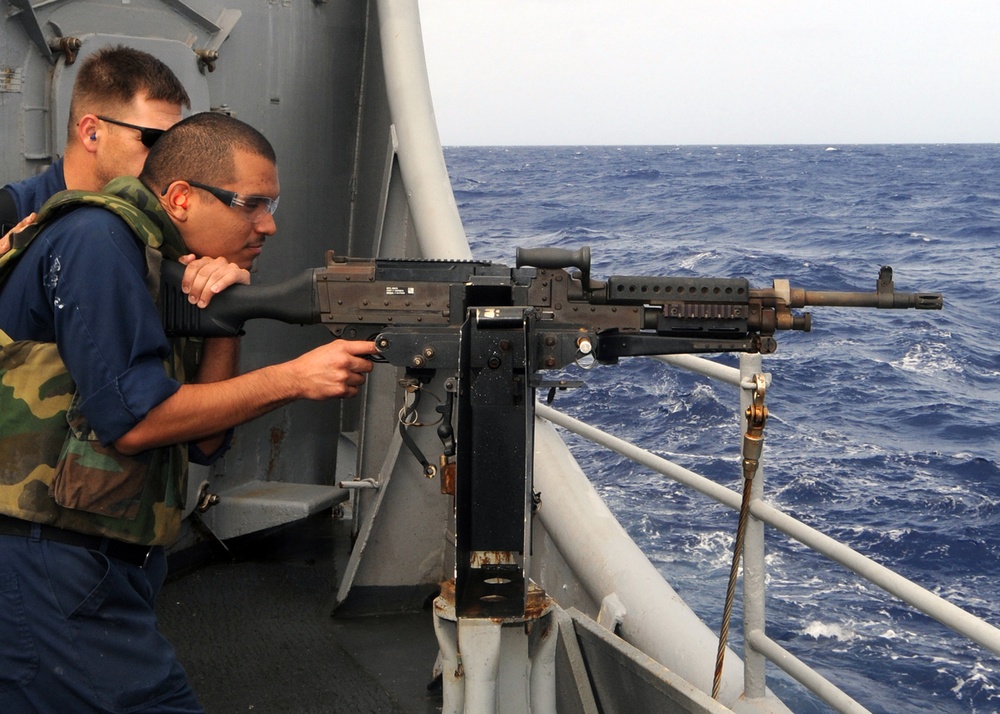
754, 681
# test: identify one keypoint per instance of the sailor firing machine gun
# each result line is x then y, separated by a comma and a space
494, 329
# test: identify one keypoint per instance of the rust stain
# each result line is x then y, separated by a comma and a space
448, 479
538, 603
277, 438
486, 558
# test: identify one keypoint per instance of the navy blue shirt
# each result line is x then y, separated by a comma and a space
81, 284
30, 194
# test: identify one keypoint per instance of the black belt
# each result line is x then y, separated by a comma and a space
131, 553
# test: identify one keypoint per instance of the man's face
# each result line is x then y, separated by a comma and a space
122, 153
235, 233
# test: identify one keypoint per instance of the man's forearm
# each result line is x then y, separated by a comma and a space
201, 412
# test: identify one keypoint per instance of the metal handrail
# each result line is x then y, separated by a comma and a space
948, 614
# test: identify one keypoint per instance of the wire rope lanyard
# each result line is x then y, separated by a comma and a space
753, 444
409, 418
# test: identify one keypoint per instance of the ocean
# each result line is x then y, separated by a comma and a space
884, 424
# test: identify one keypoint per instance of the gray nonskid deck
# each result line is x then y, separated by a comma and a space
254, 633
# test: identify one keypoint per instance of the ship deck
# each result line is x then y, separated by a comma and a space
252, 627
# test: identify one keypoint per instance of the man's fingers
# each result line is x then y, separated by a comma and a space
8, 239
360, 347
205, 277
23, 223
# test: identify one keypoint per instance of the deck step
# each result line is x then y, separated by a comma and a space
257, 505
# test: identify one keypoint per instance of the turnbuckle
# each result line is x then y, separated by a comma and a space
753, 439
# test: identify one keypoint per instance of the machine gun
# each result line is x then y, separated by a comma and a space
495, 329
416, 308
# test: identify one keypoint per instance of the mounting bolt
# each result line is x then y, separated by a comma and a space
206, 499
207, 58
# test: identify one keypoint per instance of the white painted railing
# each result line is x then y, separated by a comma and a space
759, 647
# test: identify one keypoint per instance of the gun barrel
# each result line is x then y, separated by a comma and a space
885, 296
890, 300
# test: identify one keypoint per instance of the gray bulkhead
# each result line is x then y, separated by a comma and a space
308, 75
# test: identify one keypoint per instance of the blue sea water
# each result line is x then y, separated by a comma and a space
885, 426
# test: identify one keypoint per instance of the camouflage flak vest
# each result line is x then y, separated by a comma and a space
53, 469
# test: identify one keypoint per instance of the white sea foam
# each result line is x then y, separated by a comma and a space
828, 631
929, 358
691, 262
980, 679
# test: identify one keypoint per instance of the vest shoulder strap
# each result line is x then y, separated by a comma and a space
144, 229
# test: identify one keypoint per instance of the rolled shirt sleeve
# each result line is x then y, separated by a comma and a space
85, 289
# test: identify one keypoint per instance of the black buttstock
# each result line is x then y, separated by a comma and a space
292, 301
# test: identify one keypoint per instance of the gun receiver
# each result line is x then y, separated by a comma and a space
415, 308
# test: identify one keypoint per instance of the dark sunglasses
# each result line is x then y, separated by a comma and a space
147, 136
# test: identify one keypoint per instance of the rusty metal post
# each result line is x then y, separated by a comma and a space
497, 665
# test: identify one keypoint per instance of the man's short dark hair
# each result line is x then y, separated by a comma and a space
110, 79
202, 148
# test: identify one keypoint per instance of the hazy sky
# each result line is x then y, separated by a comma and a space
713, 71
